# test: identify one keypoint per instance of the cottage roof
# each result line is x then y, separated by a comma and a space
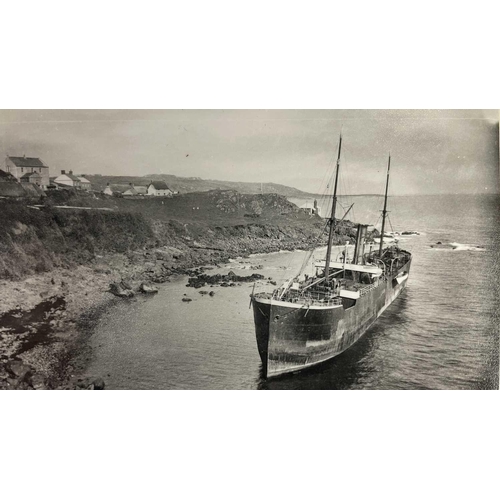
30, 174
59, 184
24, 161
70, 176
83, 179
136, 190
159, 185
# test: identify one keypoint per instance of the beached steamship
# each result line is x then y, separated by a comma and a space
308, 321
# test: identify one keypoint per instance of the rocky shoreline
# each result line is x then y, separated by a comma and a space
46, 318
61, 269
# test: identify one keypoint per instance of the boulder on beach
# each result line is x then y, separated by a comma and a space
38, 381
118, 290
229, 279
19, 369
147, 289
98, 384
126, 285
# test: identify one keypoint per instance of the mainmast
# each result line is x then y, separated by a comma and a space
384, 212
332, 217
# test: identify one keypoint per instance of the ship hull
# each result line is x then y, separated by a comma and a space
292, 339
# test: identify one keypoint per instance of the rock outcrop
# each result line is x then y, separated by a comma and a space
150, 290
120, 291
228, 279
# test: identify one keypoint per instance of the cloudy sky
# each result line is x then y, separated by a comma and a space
436, 151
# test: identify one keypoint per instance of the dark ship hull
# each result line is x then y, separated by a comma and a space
290, 339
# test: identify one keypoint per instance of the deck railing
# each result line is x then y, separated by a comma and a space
364, 290
310, 299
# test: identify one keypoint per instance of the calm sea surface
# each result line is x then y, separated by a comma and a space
441, 333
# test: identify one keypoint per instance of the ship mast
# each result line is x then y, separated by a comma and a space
384, 212
332, 217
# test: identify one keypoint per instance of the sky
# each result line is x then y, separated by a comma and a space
432, 151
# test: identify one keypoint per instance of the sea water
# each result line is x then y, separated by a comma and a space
441, 333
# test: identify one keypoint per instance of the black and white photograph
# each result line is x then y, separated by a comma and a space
249, 249
267, 233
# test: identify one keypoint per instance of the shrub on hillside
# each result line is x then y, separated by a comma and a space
36, 240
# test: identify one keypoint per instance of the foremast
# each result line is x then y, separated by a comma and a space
384, 211
332, 217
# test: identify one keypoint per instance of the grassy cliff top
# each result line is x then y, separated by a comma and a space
195, 184
213, 208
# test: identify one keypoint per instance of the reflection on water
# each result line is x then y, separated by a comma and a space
441, 333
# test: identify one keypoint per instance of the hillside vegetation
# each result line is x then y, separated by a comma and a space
202, 228
34, 240
196, 184
211, 207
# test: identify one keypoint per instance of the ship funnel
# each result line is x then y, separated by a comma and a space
360, 244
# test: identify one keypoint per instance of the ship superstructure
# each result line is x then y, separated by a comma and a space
311, 319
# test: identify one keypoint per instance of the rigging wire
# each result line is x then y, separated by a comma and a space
347, 185
390, 223
323, 193
325, 200
381, 191
309, 253
330, 176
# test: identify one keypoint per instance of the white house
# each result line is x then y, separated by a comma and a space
68, 179
19, 166
85, 184
311, 209
159, 188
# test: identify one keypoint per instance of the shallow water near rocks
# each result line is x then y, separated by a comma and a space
441, 333
23, 330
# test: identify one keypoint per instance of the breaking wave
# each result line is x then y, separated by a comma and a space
458, 247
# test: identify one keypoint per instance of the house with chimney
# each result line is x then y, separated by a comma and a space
68, 180
159, 188
28, 170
